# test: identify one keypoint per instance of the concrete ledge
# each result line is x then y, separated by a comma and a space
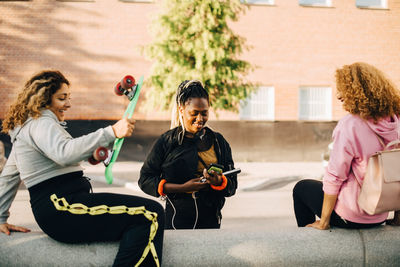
289, 246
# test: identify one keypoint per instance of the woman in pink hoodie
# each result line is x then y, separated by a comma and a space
374, 106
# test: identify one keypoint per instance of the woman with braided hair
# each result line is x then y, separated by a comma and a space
47, 158
179, 161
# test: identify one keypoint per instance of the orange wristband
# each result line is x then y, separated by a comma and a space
222, 186
161, 187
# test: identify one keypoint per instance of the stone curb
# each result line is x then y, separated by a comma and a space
240, 247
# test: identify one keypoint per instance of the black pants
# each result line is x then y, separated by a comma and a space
307, 199
181, 214
106, 223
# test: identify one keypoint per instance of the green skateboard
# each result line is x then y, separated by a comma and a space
126, 87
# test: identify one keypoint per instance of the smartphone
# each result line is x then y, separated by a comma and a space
234, 171
215, 167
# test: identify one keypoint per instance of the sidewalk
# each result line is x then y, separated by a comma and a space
253, 173
264, 191
258, 228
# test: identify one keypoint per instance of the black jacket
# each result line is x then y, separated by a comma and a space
178, 164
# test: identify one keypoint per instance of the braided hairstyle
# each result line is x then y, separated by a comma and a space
187, 90
190, 89
34, 97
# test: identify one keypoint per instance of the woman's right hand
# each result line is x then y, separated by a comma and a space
123, 128
193, 185
7, 228
319, 225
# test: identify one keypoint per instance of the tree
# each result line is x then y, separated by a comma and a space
192, 40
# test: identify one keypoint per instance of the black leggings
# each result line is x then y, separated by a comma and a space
57, 203
307, 199
182, 215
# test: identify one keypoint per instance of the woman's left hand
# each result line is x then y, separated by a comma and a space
7, 228
213, 177
318, 225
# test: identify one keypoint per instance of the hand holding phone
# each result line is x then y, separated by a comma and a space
216, 168
213, 168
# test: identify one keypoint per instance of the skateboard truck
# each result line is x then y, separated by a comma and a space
131, 92
106, 162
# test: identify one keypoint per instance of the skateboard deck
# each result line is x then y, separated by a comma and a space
119, 141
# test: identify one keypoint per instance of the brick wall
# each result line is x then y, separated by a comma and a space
295, 45
93, 43
96, 43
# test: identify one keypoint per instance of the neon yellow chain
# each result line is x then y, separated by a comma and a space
78, 208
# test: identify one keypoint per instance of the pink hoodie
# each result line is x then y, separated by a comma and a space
354, 142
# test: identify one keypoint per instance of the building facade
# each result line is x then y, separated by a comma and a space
296, 45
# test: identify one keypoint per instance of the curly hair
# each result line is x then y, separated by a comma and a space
34, 97
366, 91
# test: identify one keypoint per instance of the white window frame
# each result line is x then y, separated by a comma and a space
259, 105
321, 99
259, 2
328, 3
383, 5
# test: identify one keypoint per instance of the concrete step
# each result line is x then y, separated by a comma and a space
256, 246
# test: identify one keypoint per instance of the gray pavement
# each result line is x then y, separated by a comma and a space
264, 191
258, 228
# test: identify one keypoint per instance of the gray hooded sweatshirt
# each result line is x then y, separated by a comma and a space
43, 149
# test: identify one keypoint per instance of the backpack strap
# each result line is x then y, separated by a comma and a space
393, 143
379, 138
380, 141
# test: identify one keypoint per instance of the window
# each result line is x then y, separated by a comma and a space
315, 103
260, 105
258, 2
320, 3
372, 3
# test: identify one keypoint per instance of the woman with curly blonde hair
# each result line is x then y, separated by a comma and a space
46, 158
374, 106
